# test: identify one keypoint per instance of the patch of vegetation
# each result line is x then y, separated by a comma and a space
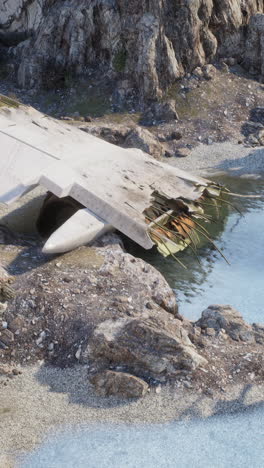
196, 103
119, 61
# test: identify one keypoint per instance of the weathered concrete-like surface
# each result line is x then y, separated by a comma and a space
115, 184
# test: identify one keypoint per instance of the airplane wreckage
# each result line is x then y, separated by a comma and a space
103, 186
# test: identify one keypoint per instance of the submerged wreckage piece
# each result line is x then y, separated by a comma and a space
147, 200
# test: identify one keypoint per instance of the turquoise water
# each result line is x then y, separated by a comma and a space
215, 282
235, 441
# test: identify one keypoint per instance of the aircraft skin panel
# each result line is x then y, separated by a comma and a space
114, 183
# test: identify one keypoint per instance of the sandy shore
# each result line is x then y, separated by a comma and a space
43, 399
230, 158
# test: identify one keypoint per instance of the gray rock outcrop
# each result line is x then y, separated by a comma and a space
148, 43
225, 317
154, 345
254, 53
160, 112
143, 139
127, 137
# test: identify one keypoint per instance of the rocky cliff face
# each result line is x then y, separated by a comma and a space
142, 44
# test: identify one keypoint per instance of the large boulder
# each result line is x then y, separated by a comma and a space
113, 133
143, 139
154, 345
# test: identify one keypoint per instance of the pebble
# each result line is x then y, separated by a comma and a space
187, 384
41, 337
78, 353
3, 307
6, 336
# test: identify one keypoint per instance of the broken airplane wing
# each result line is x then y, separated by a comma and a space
147, 200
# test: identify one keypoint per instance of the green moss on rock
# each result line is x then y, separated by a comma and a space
119, 61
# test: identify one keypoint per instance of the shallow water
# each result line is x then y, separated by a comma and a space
215, 282
219, 442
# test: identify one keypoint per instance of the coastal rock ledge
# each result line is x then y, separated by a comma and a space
116, 316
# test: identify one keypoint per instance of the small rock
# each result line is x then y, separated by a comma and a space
209, 141
210, 331
231, 61
224, 66
198, 73
209, 72
6, 336
78, 353
168, 136
40, 339
16, 324
182, 152
253, 140
119, 384
3, 307
187, 384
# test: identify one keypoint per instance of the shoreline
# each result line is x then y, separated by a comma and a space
49, 397
228, 158
54, 399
